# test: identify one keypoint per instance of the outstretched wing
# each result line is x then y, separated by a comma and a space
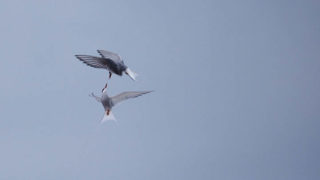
96, 97
127, 95
93, 61
110, 55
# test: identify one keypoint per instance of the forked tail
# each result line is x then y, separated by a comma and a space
131, 74
107, 117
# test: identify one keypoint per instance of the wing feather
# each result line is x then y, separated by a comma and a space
93, 61
96, 97
110, 55
127, 95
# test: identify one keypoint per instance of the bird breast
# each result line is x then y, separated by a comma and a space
106, 102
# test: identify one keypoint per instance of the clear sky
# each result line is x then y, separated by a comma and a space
236, 90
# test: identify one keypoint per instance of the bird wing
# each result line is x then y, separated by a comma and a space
110, 55
96, 97
127, 95
93, 61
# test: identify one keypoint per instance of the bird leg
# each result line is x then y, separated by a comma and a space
105, 87
110, 74
108, 112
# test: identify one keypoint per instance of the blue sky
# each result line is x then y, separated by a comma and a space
236, 90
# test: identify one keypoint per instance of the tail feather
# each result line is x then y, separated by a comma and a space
109, 117
131, 74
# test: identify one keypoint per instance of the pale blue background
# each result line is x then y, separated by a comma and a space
236, 90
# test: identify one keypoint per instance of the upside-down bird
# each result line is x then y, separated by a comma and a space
109, 102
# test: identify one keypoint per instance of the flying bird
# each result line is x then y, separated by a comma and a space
109, 61
109, 102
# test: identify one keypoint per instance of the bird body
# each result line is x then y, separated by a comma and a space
109, 102
106, 101
109, 61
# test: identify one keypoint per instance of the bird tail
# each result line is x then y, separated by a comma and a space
107, 117
131, 74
